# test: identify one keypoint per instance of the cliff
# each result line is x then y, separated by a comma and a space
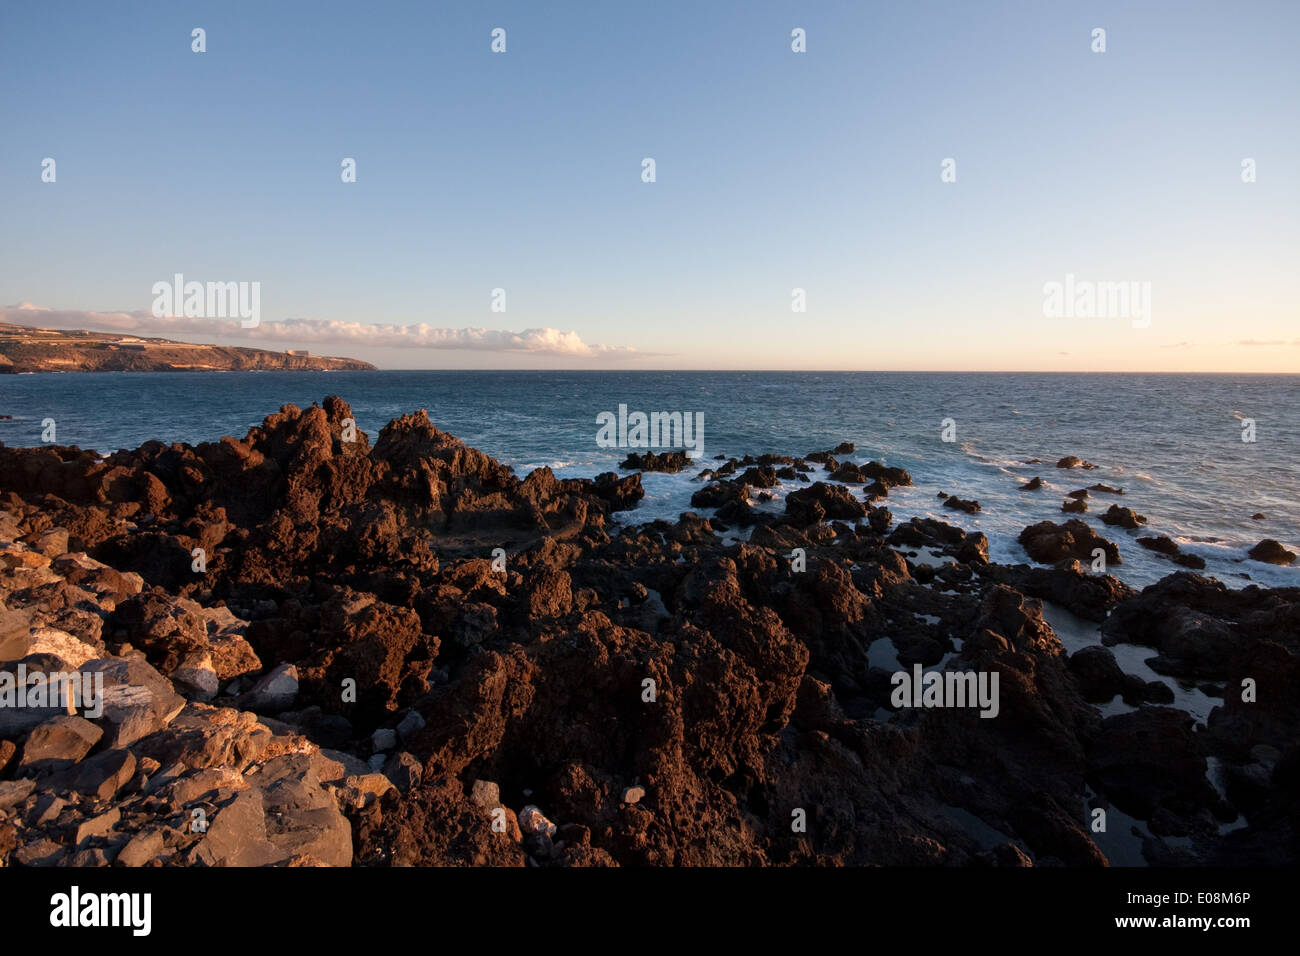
27, 349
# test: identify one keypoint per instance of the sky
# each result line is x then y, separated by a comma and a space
774, 171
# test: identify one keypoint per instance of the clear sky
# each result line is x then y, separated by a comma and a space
775, 170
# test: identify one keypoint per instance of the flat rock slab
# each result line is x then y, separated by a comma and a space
14, 792
101, 776
137, 699
58, 744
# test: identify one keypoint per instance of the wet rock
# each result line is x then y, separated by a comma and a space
1124, 517
669, 461
820, 501
619, 492
719, 493
1166, 546
1271, 552
1048, 543
962, 504
1105, 489
1160, 544
974, 549
1100, 678
1147, 760
1033, 484
1073, 461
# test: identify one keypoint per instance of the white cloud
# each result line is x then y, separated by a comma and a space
319, 332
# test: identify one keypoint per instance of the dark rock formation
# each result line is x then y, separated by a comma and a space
1049, 543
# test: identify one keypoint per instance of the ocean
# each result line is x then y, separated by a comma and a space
1174, 443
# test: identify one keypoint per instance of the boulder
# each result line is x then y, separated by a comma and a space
137, 699
1271, 552
274, 692
1124, 517
58, 743
1048, 543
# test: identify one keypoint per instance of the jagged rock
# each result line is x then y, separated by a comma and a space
533, 822
203, 736
374, 562
974, 549
1048, 543
1124, 517
669, 461
486, 794
820, 501
1100, 677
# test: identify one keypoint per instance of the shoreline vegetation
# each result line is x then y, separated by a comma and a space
28, 349
319, 648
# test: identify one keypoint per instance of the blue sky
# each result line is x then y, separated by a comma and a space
775, 170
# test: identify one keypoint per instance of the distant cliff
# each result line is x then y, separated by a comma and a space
27, 349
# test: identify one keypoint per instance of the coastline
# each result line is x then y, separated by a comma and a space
33, 350
499, 632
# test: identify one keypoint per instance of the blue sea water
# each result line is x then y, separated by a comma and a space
1173, 442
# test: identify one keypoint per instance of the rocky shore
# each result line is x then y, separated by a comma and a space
323, 651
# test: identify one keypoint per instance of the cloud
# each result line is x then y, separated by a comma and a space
1177, 345
1268, 342
329, 332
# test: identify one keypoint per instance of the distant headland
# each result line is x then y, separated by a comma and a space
30, 349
